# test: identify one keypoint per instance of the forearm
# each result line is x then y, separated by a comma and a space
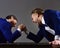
16, 35
36, 38
33, 37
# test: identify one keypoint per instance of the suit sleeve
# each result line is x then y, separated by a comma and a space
9, 36
36, 38
56, 22
16, 35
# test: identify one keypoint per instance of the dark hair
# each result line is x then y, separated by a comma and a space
9, 17
37, 10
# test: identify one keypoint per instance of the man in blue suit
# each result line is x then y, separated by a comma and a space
6, 36
49, 24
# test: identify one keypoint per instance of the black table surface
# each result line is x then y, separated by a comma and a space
26, 45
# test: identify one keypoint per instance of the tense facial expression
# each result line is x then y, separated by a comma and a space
36, 18
13, 22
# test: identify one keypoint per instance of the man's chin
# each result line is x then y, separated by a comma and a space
34, 22
13, 25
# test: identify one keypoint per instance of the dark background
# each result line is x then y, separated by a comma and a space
22, 10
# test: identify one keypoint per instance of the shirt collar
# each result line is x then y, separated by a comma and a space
43, 21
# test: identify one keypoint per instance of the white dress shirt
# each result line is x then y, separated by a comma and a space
47, 28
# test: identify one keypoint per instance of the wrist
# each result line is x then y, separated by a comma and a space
27, 32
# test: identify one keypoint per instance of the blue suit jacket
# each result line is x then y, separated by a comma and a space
52, 19
5, 32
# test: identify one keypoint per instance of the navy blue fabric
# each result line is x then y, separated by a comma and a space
5, 32
52, 19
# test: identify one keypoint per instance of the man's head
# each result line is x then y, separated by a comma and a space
37, 14
12, 19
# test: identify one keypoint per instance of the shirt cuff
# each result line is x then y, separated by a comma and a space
19, 29
57, 37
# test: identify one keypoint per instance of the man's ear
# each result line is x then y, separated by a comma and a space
38, 15
11, 17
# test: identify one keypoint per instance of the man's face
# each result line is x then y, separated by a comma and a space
36, 18
13, 22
